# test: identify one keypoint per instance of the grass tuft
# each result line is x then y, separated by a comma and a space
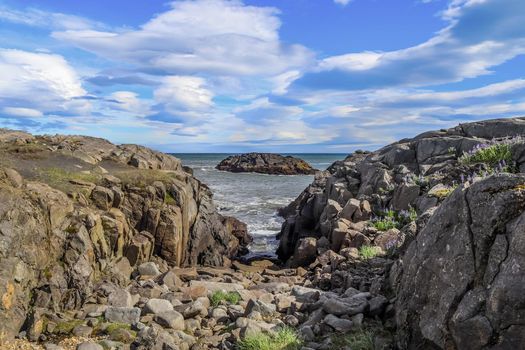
285, 339
491, 155
359, 340
229, 297
368, 252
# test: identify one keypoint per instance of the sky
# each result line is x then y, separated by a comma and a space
327, 76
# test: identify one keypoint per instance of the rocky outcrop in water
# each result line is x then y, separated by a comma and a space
266, 163
75, 211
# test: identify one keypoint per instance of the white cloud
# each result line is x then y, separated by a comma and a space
44, 19
214, 36
41, 81
186, 93
463, 49
342, 2
130, 102
22, 112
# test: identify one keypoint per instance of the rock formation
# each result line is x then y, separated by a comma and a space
76, 210
418, 245
266, 163
445, 210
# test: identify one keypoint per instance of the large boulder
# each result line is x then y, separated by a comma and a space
462, 282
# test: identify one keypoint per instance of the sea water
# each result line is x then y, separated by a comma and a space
254, 198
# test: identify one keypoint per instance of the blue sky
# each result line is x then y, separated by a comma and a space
280, 76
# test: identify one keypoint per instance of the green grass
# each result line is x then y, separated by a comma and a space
66, 327
285, 339
229, 297
359, 340
442, 193
169, 200
368, 252
385, 224
58, 175
144, 177
490, 156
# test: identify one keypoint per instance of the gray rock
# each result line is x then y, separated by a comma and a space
157, 306
349, 306
460, 282
89, 346
170, 319
263, 308
120, 298
339, 324
148, 269
129, 315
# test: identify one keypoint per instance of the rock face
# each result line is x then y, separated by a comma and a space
266, 163
450, 230
76, 210
412, 174
462, 284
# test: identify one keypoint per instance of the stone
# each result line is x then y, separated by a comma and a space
306, 295
89, 346
263, 308
305, 252
82, 331
157, 306
120, 298
170, 319
129, 315
377, 305
102, 197
148, 269
349, 306
339, 324
217, 286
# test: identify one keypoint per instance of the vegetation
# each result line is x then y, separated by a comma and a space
442, 192
391, 219
58, 176
144, 177
229, 297
358, 340
384, 224
368, 252
169, 200
491, 155
285, 339
66, 327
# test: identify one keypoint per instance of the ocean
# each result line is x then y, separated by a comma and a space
254, 198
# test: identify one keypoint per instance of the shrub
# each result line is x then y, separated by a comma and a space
368, 252
491, 155
358, 340
219, 296
384, 224
285, 339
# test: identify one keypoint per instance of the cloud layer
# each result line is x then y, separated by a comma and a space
217, 75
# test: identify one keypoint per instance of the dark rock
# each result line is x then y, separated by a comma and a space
459, 285
266, 163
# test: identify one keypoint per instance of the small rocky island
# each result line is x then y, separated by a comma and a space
266, 163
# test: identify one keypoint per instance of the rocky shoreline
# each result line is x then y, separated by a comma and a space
418, 245
266, 163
